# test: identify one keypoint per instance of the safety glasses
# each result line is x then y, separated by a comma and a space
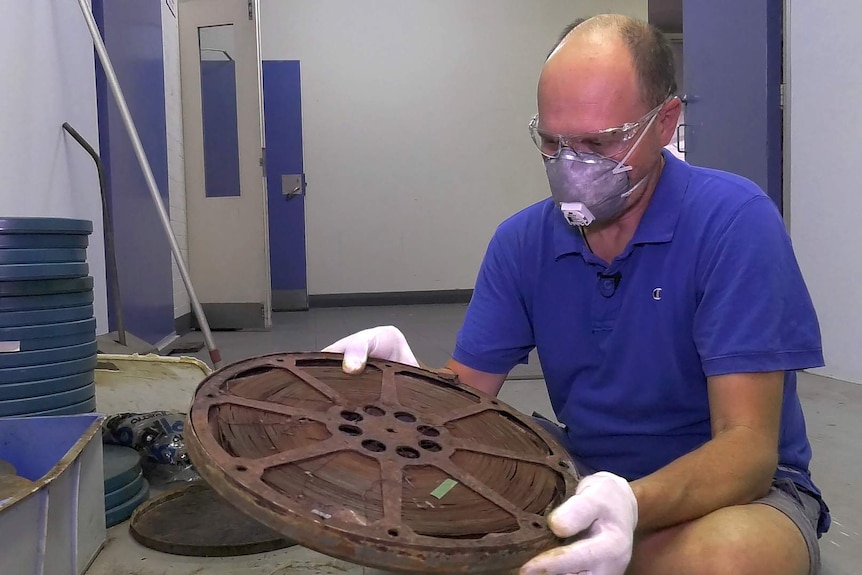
609, 142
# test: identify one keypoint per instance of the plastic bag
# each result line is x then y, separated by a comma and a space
158, 437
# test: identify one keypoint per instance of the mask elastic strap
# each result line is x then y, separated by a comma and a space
633, 188
621, 167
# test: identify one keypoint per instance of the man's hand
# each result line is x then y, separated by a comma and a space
384, 342
604, 512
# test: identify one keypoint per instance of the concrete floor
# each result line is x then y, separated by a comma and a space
831, 408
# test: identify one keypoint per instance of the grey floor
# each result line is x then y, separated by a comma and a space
831, 408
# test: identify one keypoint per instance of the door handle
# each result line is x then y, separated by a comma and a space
292, 185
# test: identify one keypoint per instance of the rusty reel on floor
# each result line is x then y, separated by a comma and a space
397, 468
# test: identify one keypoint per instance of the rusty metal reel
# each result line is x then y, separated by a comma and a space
398, 468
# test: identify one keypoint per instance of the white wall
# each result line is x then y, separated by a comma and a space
48, 66
176, 161
415, 129
824, 89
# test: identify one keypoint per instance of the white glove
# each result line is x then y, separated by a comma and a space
384, 342
605, 512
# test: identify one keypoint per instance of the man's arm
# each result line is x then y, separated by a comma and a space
489, 383
735, 467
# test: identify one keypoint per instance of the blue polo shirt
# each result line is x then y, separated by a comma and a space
708, 285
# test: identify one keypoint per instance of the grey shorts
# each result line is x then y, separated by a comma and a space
800, 507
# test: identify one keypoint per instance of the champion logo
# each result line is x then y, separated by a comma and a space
656, 294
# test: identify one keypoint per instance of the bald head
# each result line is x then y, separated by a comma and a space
636, 43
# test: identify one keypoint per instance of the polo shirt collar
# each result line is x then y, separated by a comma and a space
658, 222
661, 216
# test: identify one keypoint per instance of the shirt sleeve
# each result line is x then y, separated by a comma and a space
754, 312
497, 333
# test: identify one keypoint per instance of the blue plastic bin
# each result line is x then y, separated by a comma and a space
57, 527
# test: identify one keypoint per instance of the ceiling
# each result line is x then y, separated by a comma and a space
666, 14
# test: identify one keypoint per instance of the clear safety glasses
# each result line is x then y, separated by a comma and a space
609, 142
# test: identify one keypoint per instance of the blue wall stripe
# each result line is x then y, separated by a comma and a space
132, 32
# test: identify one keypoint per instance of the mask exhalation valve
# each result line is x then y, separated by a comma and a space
577, 214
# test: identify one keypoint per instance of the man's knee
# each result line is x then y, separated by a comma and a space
744, 540
745, 548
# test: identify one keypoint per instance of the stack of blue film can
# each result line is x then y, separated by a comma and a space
47, 326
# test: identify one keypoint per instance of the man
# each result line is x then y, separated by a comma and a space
669, 315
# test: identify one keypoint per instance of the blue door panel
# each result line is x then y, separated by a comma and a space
282, 103
733, 74
221, 136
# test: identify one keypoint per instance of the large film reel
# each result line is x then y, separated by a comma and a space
397, 468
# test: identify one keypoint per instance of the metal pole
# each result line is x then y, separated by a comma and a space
215, 355
113, 277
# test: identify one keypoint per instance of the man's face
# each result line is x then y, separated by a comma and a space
589, 85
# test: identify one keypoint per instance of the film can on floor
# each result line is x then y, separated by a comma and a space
47, 325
